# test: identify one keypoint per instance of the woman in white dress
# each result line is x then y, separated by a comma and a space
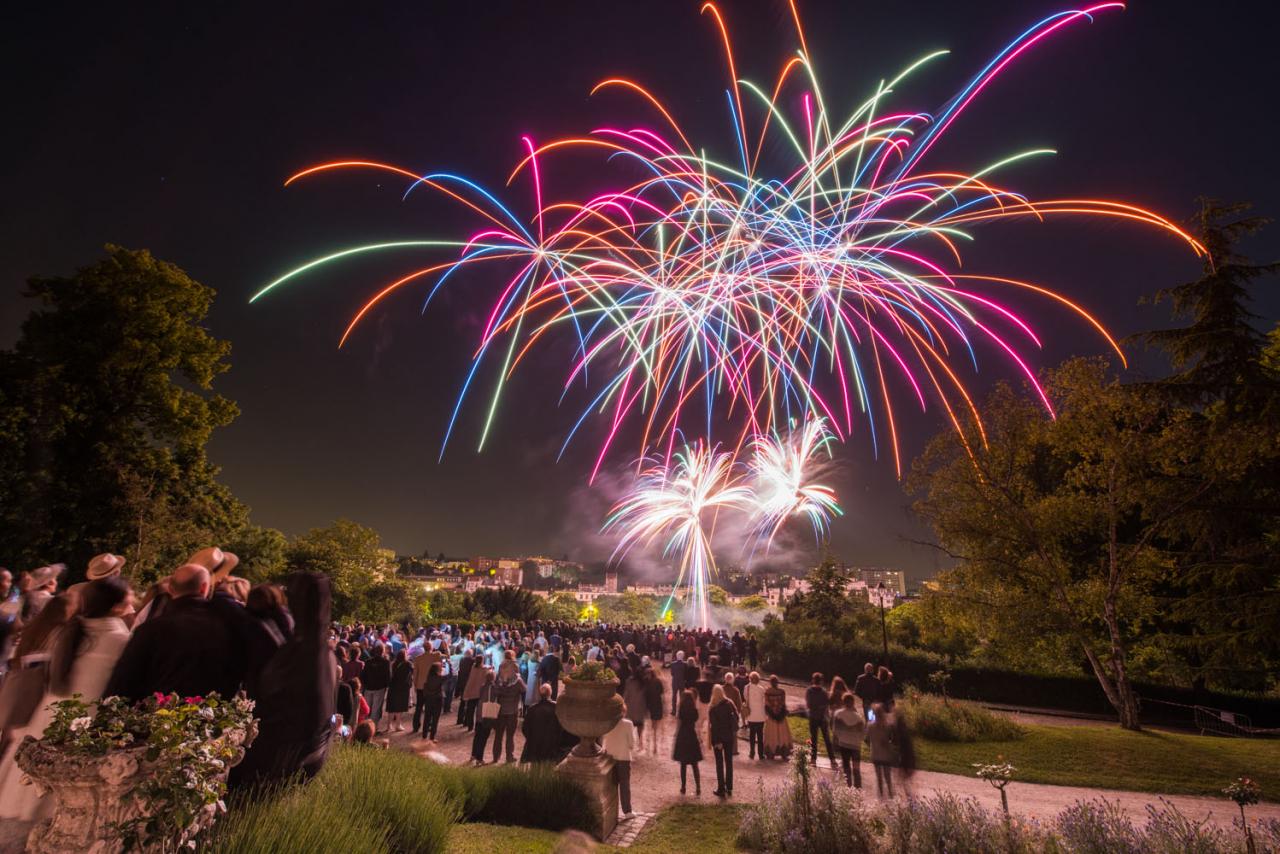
81, 651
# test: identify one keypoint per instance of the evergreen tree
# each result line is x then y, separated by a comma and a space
107, 409
1224, 592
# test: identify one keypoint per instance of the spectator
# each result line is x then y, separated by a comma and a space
24, 702
815, 701
867, 688
484, 724
688, 748
618, 743
886, 688
362, 705
884, 755
637, 707
10, 606
466, 663
298, 693
677, 679
430, 702
88, 646
731, 692
376, 679
398, 690
849, 729
544, 739
754, 700
723, 716
42, 585
188, 649
777, 734
508, 694
549, 667
655, 705
471, 692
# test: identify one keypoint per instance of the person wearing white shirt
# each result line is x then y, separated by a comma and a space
753, 696
619, 743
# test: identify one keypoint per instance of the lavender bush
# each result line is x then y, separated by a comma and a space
815, 817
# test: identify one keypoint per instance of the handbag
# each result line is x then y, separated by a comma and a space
20, 695
488, 711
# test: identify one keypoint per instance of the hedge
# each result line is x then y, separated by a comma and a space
1080, 694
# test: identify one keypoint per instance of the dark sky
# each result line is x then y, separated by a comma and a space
172, 127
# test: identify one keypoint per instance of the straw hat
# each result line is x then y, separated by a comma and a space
42, 576
218, 562
104, 565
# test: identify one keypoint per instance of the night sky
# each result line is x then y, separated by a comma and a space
173, 126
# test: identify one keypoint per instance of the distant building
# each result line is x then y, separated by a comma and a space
484, 564
893, 579
611, 582
511, 576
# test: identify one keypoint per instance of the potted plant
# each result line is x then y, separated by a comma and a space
590, 706
135, 776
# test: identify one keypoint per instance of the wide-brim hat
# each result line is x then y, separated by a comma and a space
42, 576
218, 562
104, 565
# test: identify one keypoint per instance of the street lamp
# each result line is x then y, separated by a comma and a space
882, 595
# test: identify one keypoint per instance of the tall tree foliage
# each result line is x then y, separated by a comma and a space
107, 408
1053, 517
361, 573
1223, 610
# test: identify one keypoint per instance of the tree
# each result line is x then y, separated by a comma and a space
262, 552
107, 408
826, 601
1059, 520
754, 602
1223, 599
361, 573
505, 603
561, 606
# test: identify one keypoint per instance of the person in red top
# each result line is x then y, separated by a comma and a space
362, 705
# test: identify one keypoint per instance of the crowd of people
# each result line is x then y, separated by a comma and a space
203, 629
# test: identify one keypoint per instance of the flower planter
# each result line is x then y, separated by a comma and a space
93, 795
589, 710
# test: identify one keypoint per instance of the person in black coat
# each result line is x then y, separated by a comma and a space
687, 750
399, 689
677, 679
722, 717
867, 689
189, 649
549, 673
544, 739
299, 684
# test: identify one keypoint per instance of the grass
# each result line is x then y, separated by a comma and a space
1108, 758
686, 827
691, 827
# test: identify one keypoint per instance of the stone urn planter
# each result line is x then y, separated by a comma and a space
589, 709
93, 795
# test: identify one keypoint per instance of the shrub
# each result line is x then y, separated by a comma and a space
364, 800
946, 822
530, 797
928, 716
802, 817
593, 671
1098, 827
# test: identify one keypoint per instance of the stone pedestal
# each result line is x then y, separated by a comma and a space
595, 775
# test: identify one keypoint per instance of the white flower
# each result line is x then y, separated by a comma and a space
206, 713
81, 724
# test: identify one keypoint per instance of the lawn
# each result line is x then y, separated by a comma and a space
1110, 758
705, 829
